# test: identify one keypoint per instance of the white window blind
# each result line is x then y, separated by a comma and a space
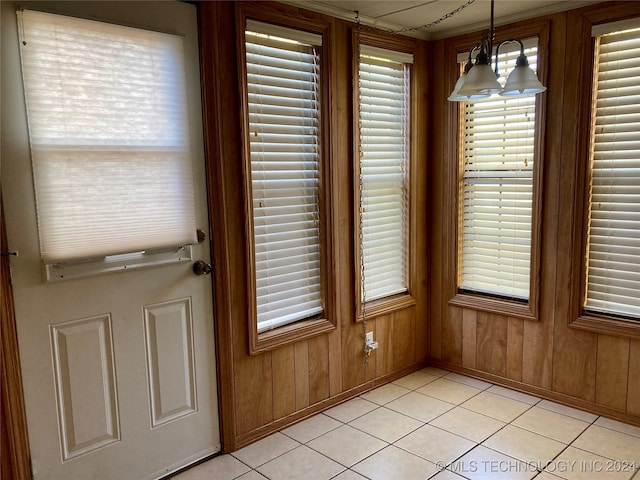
497, 189
283, 82
384, 144
613, 276
109, 138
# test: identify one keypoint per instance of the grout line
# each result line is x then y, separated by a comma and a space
451, 403
615, 430
567, 445
555, 458
317, 436
250, 469
299, 444
376, 406
428, 460
386, 441
392, 400
570, 408
349, 467
540, 469
602, 455
468, 384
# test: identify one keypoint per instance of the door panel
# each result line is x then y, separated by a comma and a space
118, 369
169, 342
85, 384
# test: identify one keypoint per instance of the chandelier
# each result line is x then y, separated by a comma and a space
479, 80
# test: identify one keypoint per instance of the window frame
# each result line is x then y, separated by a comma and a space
406, 299
324, 322
514, 308
580, 318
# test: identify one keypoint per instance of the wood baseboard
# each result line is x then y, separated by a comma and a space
284, 422
567, 400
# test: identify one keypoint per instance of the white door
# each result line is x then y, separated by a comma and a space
118, 368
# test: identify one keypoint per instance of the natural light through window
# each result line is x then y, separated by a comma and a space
283, 82
109, 137
384, 145
496, 191
613, 251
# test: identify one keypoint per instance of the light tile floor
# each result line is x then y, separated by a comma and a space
438, 425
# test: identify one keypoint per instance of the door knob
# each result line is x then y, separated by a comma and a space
202, 268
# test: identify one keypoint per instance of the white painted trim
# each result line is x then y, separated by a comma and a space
301, 36
393, 55
606, 28
349, 15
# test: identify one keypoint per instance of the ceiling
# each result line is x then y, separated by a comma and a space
399, 14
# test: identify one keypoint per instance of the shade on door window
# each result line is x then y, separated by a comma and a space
109, 137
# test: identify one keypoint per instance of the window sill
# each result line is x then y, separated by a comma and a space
494, 305
607, 325
385, 306
287, 334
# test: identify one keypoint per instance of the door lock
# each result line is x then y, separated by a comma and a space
202, 268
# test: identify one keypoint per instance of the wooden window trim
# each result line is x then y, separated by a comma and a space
606, 325
524, 310
579, 318
400, 301
500, 306
384, 306
287, 334
16, 456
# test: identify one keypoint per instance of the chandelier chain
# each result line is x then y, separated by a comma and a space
426, 26
363, 294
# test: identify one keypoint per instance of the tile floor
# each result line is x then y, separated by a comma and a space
438, 425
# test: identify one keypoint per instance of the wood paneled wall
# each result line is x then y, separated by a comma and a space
265, 392
547, 357
15, 461
262, 393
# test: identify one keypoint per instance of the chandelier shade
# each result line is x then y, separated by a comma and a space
480, 80
522, 81
455, 94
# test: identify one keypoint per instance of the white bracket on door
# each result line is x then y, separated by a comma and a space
54, 272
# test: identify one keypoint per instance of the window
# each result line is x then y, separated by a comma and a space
384, 145
613, 246
497, 196
285, 163
109, 138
